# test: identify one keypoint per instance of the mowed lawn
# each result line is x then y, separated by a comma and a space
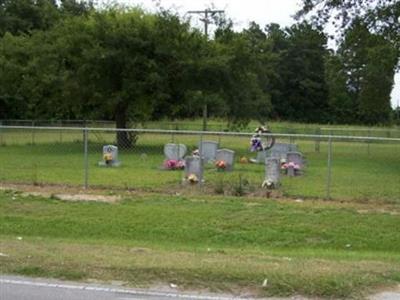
360, 171
216, 243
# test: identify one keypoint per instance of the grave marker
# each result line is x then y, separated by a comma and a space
110, 156
208, 150
272, 170
280, 150
174, 151
193, 167
295, 157
228, 156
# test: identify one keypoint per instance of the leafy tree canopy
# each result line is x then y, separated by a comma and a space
380, 16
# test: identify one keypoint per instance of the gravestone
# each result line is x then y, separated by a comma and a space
228, 156
291, 172
208, 150
110, 156
280, 150
261, 156
272, 170
295, 157
193, 167
174, 151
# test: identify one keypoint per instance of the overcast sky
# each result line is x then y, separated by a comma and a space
242, 12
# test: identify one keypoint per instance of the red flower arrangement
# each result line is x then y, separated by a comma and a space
220, 164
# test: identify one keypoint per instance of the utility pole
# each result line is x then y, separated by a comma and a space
208, 14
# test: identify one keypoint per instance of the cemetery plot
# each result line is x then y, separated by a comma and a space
356, 173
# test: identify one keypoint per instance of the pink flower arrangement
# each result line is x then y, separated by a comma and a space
291, 164
172, 164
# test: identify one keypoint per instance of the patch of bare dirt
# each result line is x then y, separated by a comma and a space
65, 193
102, 194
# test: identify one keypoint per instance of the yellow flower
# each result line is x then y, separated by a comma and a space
107, 157
192, 178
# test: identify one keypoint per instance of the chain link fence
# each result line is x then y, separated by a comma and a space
335, 167
217, 125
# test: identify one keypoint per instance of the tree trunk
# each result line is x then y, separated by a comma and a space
124, 140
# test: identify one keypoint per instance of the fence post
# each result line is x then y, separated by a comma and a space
85, 158
84, 126
291, 139
33, 132
317, 142
368, 142
201, 160
329, 175
1, 133
60, 125
171, 127
219, 135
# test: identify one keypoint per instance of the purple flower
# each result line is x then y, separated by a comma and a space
256, 144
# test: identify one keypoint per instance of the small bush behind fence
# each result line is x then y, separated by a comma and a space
338, 167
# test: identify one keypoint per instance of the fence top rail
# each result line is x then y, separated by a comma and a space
216, 133
361, 129
54, 121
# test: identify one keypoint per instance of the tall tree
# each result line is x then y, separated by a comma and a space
342, 106
377, 83
24, 16
369, 62
303, 94
241, 83
278, 45
129, 65
381, 17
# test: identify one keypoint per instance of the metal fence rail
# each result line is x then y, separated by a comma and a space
216, 126
337, 166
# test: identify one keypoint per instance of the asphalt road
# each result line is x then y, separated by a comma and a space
22, 288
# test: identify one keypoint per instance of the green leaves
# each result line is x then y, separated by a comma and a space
73, 61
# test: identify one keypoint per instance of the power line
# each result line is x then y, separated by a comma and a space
207, 19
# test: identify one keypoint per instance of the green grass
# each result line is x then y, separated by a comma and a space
311, 248
360, 171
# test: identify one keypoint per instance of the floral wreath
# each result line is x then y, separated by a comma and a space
257, 143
